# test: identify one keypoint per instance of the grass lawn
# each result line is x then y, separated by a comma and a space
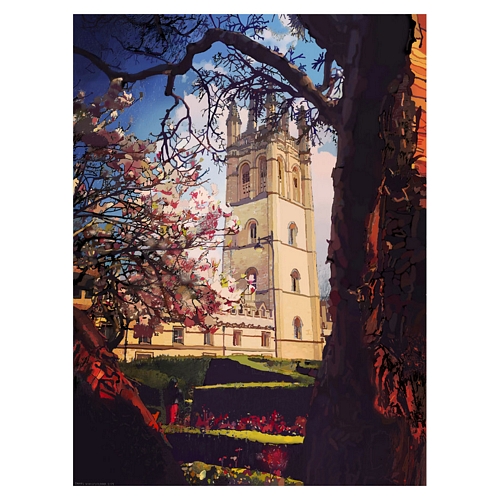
254, 384
277, 365
255, 436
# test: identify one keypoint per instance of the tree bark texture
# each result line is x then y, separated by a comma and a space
116, 440
367, 421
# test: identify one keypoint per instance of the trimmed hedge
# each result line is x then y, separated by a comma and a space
156, 372
226, 370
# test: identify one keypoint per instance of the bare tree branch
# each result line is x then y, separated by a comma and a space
297, 79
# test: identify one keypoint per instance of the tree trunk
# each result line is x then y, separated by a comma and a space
116, 440
366, 424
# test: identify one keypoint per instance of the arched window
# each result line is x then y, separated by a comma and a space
263, 174
245, 180
281, 177
252, 232
297, 328
292, 234
295, 280
296, 195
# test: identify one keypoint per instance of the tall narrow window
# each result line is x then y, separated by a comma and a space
265, 339
281, 177
178, 336
292, 234
297, 328
263, 174
295, 280
108, 330
245, 180
296, 185
208, 338
252, 230
237, 338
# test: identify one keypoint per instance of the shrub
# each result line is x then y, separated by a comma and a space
146, 375
156, 372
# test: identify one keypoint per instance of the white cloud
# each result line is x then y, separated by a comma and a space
282, 41
209, 66
322, 166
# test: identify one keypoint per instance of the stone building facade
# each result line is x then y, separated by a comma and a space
269, 187
244, 331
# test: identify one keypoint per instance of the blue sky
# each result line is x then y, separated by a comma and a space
145, 116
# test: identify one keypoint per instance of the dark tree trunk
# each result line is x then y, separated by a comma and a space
363, 427
116, 440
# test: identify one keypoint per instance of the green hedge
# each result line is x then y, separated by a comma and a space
191, 370
156, 372
241, 400
146, 375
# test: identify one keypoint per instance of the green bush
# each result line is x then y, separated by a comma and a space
156, 372
146, 375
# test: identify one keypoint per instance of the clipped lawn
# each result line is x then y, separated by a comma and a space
278, 365
233, 385
253, 436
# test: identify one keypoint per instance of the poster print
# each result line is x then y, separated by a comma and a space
249, 249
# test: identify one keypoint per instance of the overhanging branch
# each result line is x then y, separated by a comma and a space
296, 78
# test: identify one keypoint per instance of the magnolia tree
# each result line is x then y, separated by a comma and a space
143, 230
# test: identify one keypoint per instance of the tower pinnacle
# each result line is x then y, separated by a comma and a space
233, 124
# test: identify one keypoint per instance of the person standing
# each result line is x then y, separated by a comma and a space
172, 397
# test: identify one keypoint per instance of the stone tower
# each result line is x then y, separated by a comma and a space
269, 186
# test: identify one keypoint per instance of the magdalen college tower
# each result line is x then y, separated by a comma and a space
269, 186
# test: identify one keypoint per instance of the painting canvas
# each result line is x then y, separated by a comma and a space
249, 249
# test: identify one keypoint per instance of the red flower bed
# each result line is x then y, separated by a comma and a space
273, 424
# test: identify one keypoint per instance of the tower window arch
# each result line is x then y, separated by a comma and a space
292, 234
252, 232
281, 177
297, 328
245, 180
295, 276
296, 194
262, 174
